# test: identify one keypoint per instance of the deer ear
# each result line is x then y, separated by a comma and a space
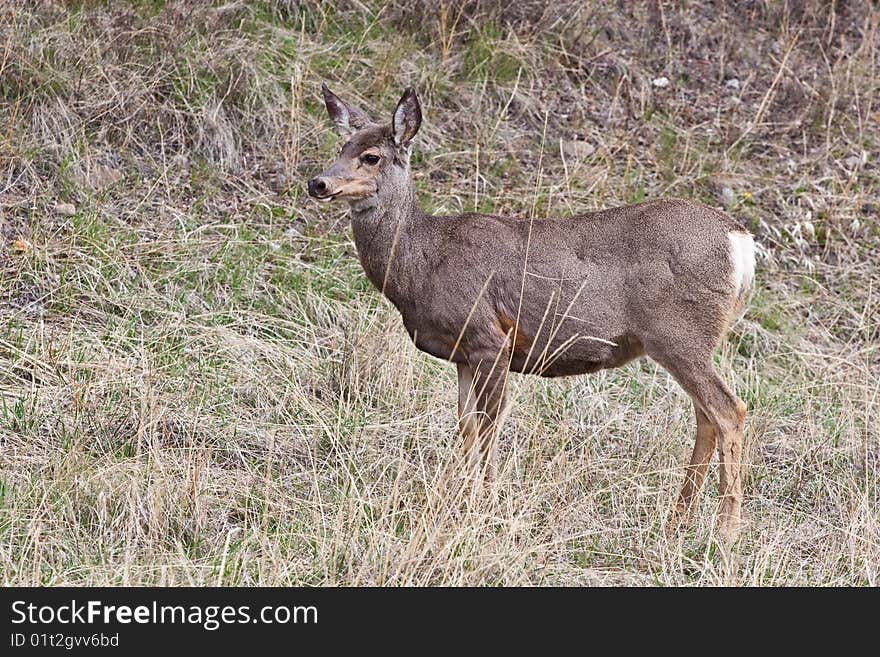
407, 118
347, 118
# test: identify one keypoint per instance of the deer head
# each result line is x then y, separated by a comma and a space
374, 161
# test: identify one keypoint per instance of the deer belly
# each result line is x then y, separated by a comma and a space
437, 344
577, 355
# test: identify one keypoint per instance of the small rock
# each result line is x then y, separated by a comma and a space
728, 196
35, 309
577, 150
145, 171
292, 232
98, 177
733, 83
853, 161
279, 182
103, 176
661, 83
65, 209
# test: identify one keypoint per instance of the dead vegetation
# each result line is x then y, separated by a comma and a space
197, 385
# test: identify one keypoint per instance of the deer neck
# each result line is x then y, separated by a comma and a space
383, 235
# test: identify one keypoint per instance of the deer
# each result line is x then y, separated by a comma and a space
551, 297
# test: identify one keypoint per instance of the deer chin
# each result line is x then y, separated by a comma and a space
361, 196
364, 203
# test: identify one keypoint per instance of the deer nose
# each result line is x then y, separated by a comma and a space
317, 187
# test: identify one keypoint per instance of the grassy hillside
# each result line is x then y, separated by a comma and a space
198, 385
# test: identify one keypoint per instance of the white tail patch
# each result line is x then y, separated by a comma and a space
742, 257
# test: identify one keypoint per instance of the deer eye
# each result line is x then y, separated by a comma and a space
371, 159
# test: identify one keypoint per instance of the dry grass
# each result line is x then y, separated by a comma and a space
197, 385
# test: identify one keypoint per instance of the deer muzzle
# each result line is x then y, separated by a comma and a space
325, 188
321, 188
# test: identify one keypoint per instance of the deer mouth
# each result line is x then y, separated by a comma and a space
326, 198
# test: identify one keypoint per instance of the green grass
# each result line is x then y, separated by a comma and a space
485, 57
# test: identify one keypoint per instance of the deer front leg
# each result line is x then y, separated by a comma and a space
467, 413
481, 400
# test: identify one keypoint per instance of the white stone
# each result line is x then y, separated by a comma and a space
65, 209
728, 196
575, 149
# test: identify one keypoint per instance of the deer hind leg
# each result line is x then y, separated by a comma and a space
481, 400
730, 444
726, 414
695, 473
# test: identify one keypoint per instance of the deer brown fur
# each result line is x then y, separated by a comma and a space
552, 297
